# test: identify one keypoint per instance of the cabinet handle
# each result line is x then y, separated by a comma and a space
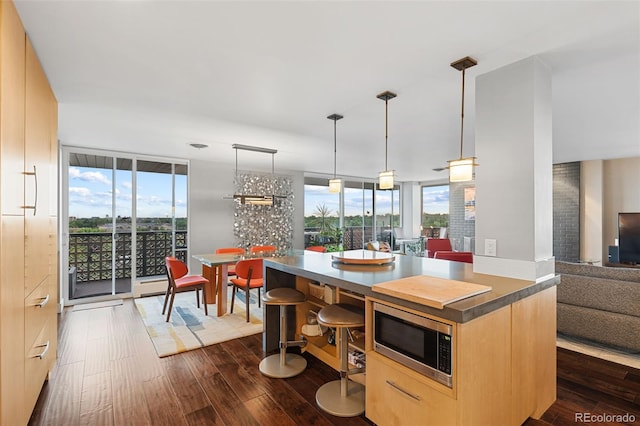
43, 302
43, 354
393, 385
35, 202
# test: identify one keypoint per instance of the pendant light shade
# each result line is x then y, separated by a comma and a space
461, 169
385, 178
335, 184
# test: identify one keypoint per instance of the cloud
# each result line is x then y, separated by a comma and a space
75, 173
79, 191
153, 200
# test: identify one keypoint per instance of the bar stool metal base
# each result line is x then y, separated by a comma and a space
272, 366
329, 399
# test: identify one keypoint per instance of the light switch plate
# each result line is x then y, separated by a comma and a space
489, 247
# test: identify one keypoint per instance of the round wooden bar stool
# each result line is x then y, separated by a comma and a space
342, 398
284, 364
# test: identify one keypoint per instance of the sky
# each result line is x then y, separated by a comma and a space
435, 199
315, 196
90, 195
91, 190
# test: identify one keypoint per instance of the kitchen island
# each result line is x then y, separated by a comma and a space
503, 341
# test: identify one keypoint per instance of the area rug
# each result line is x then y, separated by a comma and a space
189, 328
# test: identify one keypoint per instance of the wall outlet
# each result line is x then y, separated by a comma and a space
489, 247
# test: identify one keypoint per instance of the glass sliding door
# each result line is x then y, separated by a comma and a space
123, 217
99, 225
348, 216
161, 215
358, 217
321, 215
387, 214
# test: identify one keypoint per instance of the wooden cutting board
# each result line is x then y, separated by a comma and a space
430, 291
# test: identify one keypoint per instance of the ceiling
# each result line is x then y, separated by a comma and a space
151, 77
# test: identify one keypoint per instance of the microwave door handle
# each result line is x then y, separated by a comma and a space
409, 394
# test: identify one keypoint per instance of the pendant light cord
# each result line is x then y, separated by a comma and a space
386, 133
462, 115
335, 149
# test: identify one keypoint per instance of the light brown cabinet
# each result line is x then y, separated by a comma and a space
12, 98
37, 160
398, 395
502, 373
28, 249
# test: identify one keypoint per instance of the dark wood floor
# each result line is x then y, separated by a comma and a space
108, 374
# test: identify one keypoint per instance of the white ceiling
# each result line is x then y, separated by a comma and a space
153, 76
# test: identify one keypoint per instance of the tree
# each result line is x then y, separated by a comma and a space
323, 211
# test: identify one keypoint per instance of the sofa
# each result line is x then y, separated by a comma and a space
600, 304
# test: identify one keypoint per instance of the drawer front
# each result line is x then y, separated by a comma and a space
40, 307
395, 398
39, 360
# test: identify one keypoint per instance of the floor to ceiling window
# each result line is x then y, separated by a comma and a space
321, 215
387, 204
123, 216
435, 210
360, 213
359, 216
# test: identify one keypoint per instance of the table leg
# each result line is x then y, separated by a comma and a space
223, 277
210, 274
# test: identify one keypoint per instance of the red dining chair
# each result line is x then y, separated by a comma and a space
457, 256
320, 249
437, 244
179, 281
262, 249
231, 271
248, 276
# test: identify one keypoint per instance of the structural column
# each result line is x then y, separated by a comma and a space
514, 198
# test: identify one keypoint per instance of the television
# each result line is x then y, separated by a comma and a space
629, 238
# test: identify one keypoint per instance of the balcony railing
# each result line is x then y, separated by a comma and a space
353, 237
92, 253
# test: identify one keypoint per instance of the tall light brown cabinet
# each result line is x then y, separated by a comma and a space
28, 203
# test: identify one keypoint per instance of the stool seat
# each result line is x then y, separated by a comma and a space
342, 398
341, 315
283, 296
283, 364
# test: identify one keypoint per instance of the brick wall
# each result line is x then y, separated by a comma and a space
459, 227
566, 211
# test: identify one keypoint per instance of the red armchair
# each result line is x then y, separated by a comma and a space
457, 256
437, 244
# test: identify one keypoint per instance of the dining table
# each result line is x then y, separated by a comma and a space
215, 268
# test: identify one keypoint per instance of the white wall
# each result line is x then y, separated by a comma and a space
411, 209
591, 245
621, 193
514, 180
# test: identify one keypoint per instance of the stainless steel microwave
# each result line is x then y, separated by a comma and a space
420, 343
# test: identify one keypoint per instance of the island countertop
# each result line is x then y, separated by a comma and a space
360, 279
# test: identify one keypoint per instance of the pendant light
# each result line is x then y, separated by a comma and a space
256, 199
461, 169
335, 184
385, 178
